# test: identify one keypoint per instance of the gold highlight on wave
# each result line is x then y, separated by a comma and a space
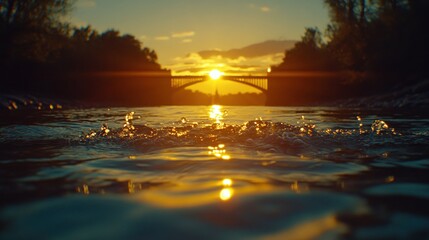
227, 191
200, 190
190, 192
219, 152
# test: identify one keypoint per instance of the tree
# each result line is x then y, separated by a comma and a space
40, 54
31, 29
109, 51
380, 44
308, 54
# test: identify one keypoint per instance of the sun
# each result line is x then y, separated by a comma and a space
215, 74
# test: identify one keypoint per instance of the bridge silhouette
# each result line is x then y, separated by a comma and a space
157, 88
258, 82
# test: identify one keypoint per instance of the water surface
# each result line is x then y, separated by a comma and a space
214, 172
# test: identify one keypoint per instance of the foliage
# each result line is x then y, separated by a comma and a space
88, 50
308, 54
386, 38
38, 48
31, 30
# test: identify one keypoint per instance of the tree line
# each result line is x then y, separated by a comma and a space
37, 45
385, 42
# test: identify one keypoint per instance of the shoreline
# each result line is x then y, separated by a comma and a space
415, 97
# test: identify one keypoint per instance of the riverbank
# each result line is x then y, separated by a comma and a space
401, 97
415, 96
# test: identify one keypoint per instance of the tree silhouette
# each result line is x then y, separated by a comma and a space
109, 51
384, 39
31, 30
41, 54
308, 54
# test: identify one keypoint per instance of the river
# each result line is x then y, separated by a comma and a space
214, 172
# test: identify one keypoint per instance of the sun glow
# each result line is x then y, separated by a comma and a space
215, 74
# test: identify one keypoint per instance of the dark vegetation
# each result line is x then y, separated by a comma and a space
40, 54
378, 44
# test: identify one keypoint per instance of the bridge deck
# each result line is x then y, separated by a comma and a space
259, 82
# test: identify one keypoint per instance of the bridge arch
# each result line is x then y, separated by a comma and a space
258, 82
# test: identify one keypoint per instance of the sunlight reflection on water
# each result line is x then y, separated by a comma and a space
227, 191
219, 152
227, 172
216, 113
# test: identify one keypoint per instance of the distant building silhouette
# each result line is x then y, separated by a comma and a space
216, 97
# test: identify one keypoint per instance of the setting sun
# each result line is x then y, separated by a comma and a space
215, 74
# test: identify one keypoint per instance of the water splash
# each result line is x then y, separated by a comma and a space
306, 127
361, 129
256, 135
380, 127
128, 128
104, 129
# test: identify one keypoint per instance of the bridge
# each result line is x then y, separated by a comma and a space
258, 82
157, 88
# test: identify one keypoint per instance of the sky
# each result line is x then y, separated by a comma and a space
179, 29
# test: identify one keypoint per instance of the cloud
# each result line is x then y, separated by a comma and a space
251, 51
86, 3
162, 38
265, 9
195, 64
183, 34
253, 59
142, 37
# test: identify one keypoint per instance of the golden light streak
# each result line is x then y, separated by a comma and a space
216, 113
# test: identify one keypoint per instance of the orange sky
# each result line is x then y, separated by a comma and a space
179, 31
